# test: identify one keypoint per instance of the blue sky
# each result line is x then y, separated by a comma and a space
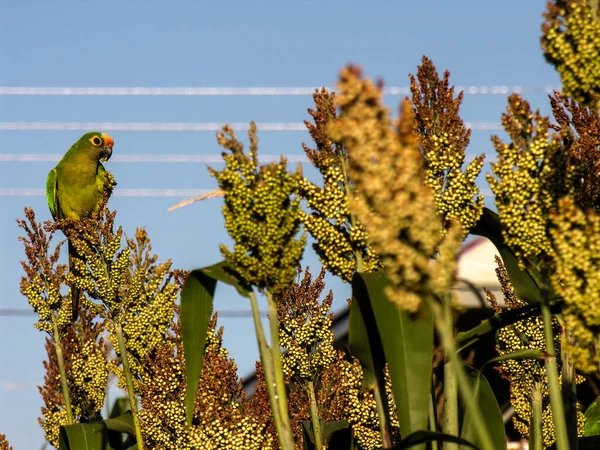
214, 44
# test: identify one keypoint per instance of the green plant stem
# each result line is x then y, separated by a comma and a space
432, 426
61, 369
265, 354
314, 416
558, 412
569, 392
130, 390
450, 384
280, 390
107, 400
464, 388
535, 424
284, 435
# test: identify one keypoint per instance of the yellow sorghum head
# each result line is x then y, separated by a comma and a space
132, 287
84, 349
525, 374
147, 292
305, 329
530, 177
578, 130
576, 240
219, 421
261, 215
392, 200
360, 409
43, 275
443, 141
340, 239
85, 353
571, 42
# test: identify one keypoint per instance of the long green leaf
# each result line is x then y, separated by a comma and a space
365, 344
196, 307
84, 436
526, 353
489, 409
526, 283
222, 273
408, 347
363, 337
498, 321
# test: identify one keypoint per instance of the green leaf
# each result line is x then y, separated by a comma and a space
117, 426
196, 307
489, 409
363, 337
527, 353
526, 283
422, 437
336, 435
83, 436
122, 424
592, 419
115, 438
505, 318
221, 272
408, 347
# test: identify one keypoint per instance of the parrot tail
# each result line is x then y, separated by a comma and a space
75, 291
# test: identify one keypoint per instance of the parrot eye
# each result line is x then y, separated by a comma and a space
96, 141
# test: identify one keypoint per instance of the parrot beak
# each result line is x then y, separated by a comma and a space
106, 152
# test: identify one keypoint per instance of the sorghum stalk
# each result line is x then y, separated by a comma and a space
558, 412
63, 373
314, 416
130, 389
464, 387
280, 392
284, 435
535, 423
450, 384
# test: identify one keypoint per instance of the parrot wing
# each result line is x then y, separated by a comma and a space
52, 194
101, 179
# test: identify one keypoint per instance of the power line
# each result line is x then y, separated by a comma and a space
34, 192
145, 126
162, 159
145, 158
182, 126
144, 192
246, 91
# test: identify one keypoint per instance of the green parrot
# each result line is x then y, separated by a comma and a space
75, 187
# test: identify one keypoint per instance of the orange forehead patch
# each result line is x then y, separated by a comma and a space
108, 141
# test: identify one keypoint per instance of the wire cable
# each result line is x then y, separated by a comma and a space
182, 126
247, 91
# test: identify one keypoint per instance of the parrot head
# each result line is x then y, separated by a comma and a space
100, 143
